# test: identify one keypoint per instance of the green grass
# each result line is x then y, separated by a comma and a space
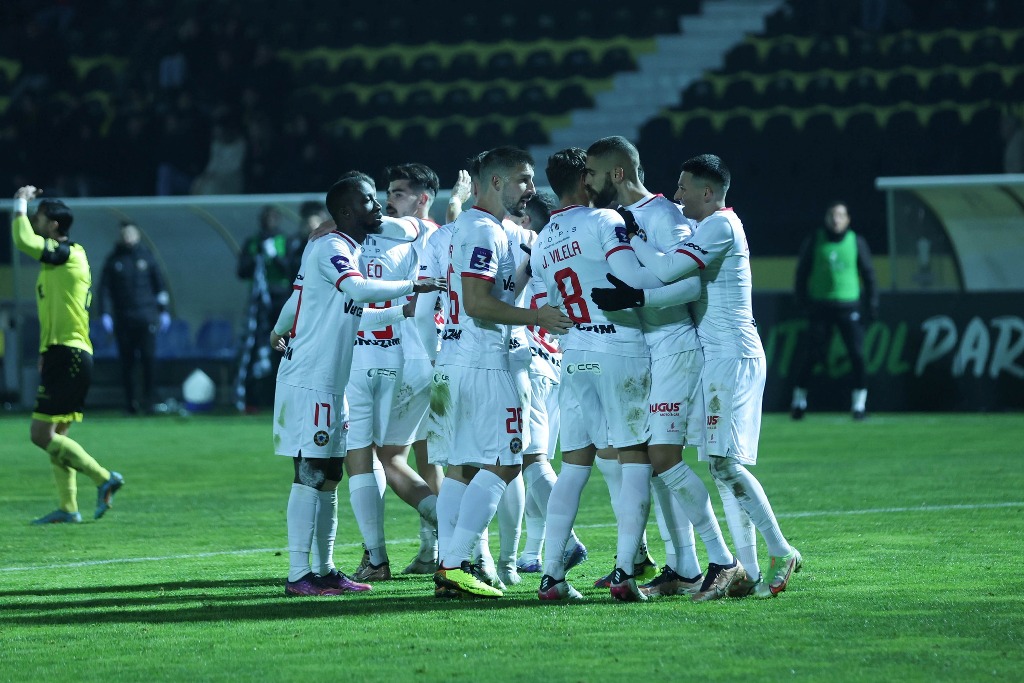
911, 528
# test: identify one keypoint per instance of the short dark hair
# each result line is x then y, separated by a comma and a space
501, 160
473, 164
615, 144
347, 182
56, 210
539, 209
709, 167
565, 168
420, 176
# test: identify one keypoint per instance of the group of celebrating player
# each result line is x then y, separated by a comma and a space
626, 334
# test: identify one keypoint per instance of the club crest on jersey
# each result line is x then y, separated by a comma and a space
341, 263
515, 445
481, 259
321, 438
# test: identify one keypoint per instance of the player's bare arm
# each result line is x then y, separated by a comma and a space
460, 193
481, 305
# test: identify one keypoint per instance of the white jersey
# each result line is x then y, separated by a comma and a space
414, 346
724, 313
438, 260
547, 355
570, 256
519, 345
668, 330
319, 355
384, 259
479, 249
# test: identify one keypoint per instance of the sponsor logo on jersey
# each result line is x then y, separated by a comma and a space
481, 259
386, 373
379, 343
515, 445
451, 335
509, 283
713, 420
321, 438
573, 368
596, 329
693, 246
353, 308
665, 408
440, 378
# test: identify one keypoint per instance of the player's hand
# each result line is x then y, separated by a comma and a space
632, 227
165, 321
327, 226
430, 284
552, 320
278, 343
621, 297
463, 187
28, 193
108, 323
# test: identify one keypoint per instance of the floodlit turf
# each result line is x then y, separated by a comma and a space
911, 528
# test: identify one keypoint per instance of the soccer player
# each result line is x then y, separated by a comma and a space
605, 371
321, 320
542, 419
476, 409
65, 360
734, 364
676, 404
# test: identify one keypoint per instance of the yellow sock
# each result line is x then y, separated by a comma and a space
68, 452
67, 485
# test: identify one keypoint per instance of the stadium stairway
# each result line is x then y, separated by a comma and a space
678, 60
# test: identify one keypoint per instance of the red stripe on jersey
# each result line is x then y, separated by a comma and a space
699, 262
618, 248
351, 273
351, 242
479, 276
566, 208
649, 200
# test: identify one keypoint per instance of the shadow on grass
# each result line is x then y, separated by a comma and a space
260, 608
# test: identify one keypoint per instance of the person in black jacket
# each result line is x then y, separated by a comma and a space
833, 276
133, 305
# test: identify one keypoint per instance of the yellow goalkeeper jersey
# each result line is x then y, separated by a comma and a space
62, 289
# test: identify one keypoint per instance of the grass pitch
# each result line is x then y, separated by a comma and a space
911, 529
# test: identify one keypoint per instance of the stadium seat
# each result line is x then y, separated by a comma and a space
987, 85
421, 102
389, 67
943, 159
426, 67
783, 56
578, 62
821, 90
700, 93
353, 69
616, 60
533, 99
383, 102
945, 85
489, 135
906, 51
540, 63
863, 89
573, 96
863, 51
493, 100
948, 51
502, 65
529, 132
743, 57
988, 49
465, 65
739, 93
216, 339
176, 342
781, 91
824, 53
903, 141
904, 87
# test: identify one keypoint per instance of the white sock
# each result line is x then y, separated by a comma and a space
477, 510
428, 541
563, 505
322, 555
368, 508
380, 477
692, 496
666, 520
539, 478
634, 509
449, 500
482, 550
428, 509
799, 398
611, 470
510, 521
754, 502
301, 518
742, 531
858, 399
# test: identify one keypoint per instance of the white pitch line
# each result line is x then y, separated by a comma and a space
256, 551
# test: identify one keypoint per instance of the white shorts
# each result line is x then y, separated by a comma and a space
475, 418
313, 424
524, 389
409, 414
733, 388
371, 393
543, 420
676, 401
603, 400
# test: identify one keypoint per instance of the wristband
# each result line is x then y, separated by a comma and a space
20, 205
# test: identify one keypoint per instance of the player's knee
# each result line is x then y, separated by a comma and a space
723, 469
319, 474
